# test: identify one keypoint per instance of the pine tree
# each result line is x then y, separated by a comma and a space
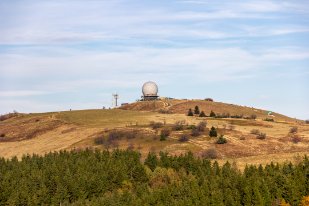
213, 132
202, 114
190, 113
212, 114
196, 110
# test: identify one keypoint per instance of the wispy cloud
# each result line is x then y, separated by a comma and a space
50, 50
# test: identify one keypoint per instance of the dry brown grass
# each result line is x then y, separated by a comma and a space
78, 129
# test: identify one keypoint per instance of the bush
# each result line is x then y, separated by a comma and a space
202, 114
165, 132
209, 99
162, 138
179, 125
190, 113
213, 132
156, 125
253, 116
295, 139
212, 114
236, 116
195, 132
192, 126
210, 154
293, 130
196, 110
131, 134
201, 126
255, 131
307, 121
261, 136
223, 115
269, 120
183, 138
221, 140
99, 140
115, 135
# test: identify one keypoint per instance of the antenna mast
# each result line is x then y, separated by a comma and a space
116, 97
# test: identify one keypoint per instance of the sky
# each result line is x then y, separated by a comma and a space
74, 54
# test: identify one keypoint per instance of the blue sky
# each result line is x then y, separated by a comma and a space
57, 55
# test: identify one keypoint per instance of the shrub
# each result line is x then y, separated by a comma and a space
179, 125
255, 131
195, 132
253, 116
99, 140
213, 132
190, 113
261, 136
183, 138
201, 126
192, 126
115, 135
295, 139
162, 138
307, 121
293, 130
165, 132
131, 134
269, 120
202, 114
210, 154
223, 115
156, 125
237, 116
209, 99
221, 140
212, 114
196, 110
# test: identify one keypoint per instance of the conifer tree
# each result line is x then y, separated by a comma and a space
196, 110
213, 132
212, 114
190, 113
202, 114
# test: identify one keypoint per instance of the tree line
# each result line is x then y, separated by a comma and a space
119, 177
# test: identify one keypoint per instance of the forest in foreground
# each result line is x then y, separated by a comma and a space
119, 177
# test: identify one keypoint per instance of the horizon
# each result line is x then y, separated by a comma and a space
57, 56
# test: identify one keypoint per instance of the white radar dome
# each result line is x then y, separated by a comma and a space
150, 89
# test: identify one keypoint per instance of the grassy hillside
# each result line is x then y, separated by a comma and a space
42, 133
182, 107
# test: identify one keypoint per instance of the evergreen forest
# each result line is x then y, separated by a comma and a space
119, 177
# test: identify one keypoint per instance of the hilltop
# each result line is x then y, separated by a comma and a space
176, 106
138, 126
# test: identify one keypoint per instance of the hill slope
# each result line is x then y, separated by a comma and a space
182, 106
41, 133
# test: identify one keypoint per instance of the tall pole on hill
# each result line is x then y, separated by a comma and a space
116, 97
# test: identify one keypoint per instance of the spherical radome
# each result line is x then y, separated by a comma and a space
150, 89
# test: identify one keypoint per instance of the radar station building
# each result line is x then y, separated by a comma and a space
150, 91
